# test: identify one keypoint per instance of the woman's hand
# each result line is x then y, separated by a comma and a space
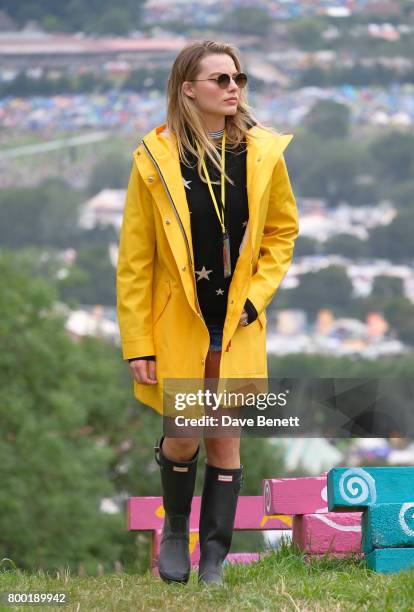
144, 371
243, 319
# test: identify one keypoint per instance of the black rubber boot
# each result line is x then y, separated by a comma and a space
178, 481
218, 510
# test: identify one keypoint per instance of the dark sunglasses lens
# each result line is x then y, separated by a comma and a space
241, 80
223, 80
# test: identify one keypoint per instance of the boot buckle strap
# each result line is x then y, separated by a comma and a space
157, 452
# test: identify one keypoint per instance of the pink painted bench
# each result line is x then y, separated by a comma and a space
147, 514
316, 531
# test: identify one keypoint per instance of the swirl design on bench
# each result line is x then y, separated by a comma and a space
405, 516
356, 486
267, 496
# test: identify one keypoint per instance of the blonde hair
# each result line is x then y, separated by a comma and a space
184, 118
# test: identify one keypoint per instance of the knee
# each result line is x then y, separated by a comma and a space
180, 449
223, 452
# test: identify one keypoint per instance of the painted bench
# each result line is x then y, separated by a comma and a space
386, 496
147, 514
315, 530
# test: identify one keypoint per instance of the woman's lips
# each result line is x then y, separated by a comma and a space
232, 100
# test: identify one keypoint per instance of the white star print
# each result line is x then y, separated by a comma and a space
203, 273
219, 291
186, 183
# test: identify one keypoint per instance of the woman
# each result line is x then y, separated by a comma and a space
207, 236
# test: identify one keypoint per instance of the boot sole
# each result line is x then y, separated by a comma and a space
215, 582
206, 579
169, 580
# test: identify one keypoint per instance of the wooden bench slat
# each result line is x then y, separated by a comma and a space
353, 489
331, 532
389, 560
305, 495
388, 526
147, 514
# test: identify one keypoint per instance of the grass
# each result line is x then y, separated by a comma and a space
280, 581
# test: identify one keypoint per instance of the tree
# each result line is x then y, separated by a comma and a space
314, 75
145, 78
326, 288
328, 119
111, 172
71, 433
399, 311
306, 33
305, 245
402, 195
39, 216
386, 287
334, 169
394, 156
346, 245
91, 280
99, 234
114, 21
247, 20
77, 15
331, 174
52, 476
394, 241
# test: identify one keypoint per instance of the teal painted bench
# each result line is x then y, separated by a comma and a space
386, 497
358, 488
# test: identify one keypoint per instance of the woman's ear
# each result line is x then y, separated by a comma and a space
187, 89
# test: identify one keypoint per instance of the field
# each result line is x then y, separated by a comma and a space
280, 581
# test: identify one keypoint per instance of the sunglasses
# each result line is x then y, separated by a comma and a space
223, 80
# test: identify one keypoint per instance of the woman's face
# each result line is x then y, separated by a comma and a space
207, 95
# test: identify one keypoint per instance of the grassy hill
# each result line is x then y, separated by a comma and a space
281, 581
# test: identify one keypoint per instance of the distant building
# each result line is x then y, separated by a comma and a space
320, 222
290, 321
105, 208
324, 321
382, 9
377, 326
44, 49
96, 323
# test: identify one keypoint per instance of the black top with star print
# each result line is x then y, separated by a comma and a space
212, 287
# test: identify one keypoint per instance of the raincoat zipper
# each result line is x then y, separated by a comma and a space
181, 225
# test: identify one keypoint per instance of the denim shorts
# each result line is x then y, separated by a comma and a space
216, 336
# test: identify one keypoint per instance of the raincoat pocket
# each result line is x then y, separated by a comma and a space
262, 319
161, 299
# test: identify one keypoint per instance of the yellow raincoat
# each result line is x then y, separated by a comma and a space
157, 306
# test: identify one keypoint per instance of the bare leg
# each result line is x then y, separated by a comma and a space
221, 451
223, 479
